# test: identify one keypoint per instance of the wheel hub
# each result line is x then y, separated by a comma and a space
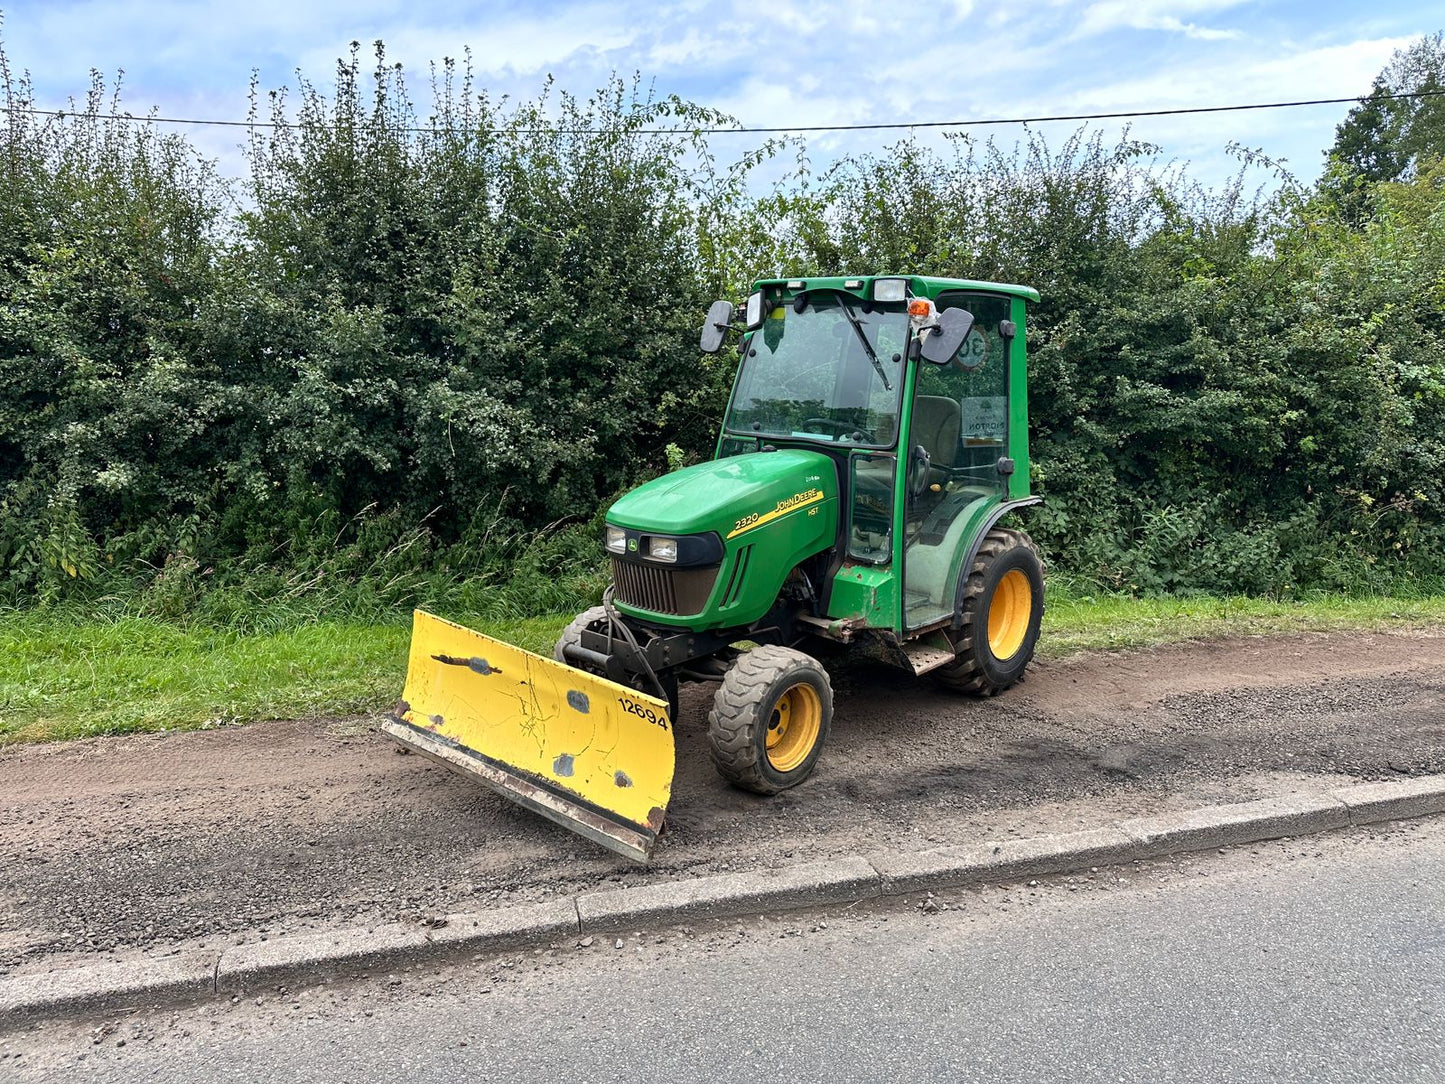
793, 727
1009, 612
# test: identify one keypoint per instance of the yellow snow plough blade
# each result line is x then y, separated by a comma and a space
592, 755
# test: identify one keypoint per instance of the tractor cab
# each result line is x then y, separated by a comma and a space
914, 387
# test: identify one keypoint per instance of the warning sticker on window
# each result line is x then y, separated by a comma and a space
984, 418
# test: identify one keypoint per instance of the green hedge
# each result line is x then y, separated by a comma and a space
406, 353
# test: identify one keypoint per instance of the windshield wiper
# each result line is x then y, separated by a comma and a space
863, 338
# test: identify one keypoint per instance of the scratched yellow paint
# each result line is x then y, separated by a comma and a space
586, 735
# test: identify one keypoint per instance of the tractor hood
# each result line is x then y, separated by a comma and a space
729, 496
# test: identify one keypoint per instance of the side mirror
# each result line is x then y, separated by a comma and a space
942, 341
719, 316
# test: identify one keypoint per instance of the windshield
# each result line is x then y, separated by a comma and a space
831, 372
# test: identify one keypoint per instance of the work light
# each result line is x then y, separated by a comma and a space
890, 289
755, 310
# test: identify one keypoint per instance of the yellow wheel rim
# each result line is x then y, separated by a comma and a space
1009, 612
793, 729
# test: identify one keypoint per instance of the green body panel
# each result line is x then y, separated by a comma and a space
1018, 405
772, 511
713, 496
972, 518
920, 285
865, 593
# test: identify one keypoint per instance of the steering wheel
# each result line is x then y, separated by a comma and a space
841, 429
919, 471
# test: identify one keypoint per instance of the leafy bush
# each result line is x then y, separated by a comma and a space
408, 358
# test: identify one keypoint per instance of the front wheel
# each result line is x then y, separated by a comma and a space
1003, 606
594, 619
769, 719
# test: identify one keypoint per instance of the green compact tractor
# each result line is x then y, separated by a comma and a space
876, 435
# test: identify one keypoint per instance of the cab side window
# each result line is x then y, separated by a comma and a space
976, 380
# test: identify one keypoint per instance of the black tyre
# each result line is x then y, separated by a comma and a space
1003, 606
769, 719
595, 618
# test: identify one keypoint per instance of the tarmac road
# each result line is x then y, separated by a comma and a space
1314, 960
204, 839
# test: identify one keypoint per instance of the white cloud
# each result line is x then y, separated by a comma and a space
1276, 72
702, 47
1166, 15
516, 45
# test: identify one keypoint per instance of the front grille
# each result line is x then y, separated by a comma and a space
680, 591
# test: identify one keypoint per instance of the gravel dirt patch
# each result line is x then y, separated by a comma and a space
204, 839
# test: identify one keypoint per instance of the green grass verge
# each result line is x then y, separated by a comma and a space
1090, 623
65, 675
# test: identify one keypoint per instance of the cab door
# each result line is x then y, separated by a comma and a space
949, 469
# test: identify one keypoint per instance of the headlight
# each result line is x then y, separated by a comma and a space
662, 549
616, 539
890, 289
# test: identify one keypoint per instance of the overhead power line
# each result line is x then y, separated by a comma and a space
779, 130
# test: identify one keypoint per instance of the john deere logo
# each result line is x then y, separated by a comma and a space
632, 545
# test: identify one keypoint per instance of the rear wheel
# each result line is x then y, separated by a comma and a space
1003, 606
769, 719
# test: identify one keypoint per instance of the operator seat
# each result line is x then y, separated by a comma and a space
937, 423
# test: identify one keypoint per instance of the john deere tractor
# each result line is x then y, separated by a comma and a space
876, 435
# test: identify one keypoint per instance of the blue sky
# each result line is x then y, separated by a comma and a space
776, 62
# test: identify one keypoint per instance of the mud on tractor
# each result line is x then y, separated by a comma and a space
876, 434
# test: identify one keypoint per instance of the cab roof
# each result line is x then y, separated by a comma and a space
927, 286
